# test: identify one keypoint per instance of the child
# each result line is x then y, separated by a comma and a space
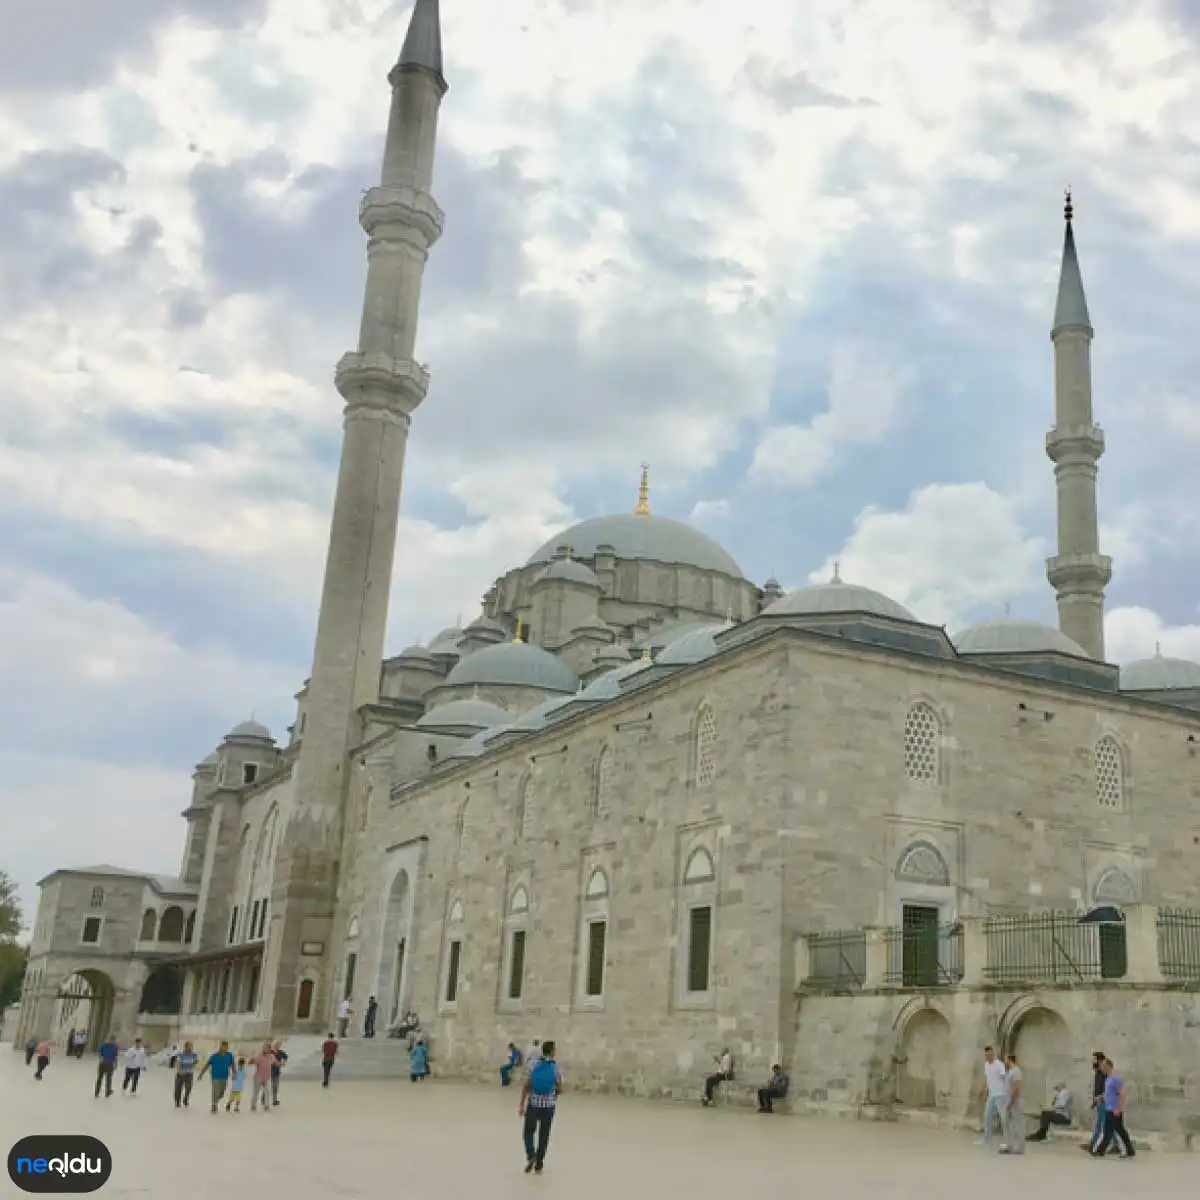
419, 1065
239, 1083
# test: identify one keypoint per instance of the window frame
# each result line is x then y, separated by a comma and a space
696, 890
594, 910
100, 920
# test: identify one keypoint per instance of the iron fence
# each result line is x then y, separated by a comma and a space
837, 961
924, 956
1052, 947
1179, 944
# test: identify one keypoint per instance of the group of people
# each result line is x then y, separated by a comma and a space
776, 1087
1004, 1084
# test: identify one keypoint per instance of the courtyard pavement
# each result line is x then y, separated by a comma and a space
445, 1140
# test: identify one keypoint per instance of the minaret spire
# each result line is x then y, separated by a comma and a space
382, 385
1078, 572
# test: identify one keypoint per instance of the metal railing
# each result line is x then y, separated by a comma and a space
1179, 944
924, 957
837, 961
1052, 947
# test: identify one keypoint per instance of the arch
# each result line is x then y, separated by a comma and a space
352, 927
84, 1000
189, 930
924, 1060
162, 993
923, 743
170, 928
518, 905
1041, 1040
1114, 887
305, 997
704, 738
456, 912
393, 946
1108, 759
597, 885
149, 926
923, 863
699, 867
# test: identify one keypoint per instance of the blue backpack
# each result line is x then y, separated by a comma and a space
543, 1079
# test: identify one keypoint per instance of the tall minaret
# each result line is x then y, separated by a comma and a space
1078, 572
382, 384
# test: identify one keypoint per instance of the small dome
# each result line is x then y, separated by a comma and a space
693, 647
540, 716
820, 599
452, 635
608, 686
658, 639
473, 747
596, 623
1159, 674
416, 654
516, 664
463, 714
251, 729
636, 536
613, 655
487, 625
570, 571
1010, 636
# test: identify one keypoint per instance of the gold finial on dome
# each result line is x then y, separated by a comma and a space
646, 653
643, 504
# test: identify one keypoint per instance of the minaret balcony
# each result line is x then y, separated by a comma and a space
379, 381
1075, 442
397, 206
1079, 573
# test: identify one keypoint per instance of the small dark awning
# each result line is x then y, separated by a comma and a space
225, 954
1106, 914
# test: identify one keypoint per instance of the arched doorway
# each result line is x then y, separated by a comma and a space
162, 992
1042, 1043
170, 928
926, 1057
84, 1002
393, 948
149, 926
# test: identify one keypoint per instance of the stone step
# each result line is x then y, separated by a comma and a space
358, 1058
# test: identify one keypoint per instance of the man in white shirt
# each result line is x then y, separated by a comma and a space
724, 1063
996, 1091
1059, 1112
135, 1063
533, 1055
345, 1011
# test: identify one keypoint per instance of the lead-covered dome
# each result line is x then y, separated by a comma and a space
569, 571
694, 647
1159, 674
251, 729
637, 536
514, 664
1011, 636
464, 714
822, 599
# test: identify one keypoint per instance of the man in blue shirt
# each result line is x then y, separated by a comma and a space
220, 1066
108, 1062
1114, 1112
185, 1074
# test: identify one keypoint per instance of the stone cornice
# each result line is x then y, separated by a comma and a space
380, 383
1075, 443
387, 211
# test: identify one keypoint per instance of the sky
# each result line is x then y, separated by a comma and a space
802, 262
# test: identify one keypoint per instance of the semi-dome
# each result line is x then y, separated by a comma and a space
463, 714
1160, 674
820, 599
515, 664
695, 646
569, 571
659, 639
1011, 636
251, 729
637, 536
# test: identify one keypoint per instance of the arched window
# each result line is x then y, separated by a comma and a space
603, 783
526, 799
456, 912
304, 1000
515, 937
519, 903
706, 746
149, 925
922, 743
170, 928
1114, 887
1110, 773
592, 954
352, 927
922, 863
699, 868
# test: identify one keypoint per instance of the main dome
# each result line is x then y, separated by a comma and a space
632, 535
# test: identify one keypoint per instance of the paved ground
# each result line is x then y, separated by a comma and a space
449, 1141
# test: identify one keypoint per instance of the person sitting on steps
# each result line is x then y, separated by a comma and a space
1059, 1113
776, 1089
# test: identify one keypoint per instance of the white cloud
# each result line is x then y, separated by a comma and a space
954, 550
1131, 633
710, 512
863, 408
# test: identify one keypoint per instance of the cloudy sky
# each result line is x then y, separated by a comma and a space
802, 262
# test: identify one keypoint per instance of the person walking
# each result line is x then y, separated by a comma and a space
369, 1020
30, 1050
329, 1049
238, 1086
1114, 1113
539, 1102
280, 1056
262, 1063
219, 1066
995, 1087
43, 1049
108, 1052
1014, 1108
185, 1074
135, 1064
724, 1063
1098, 1078
345, 1012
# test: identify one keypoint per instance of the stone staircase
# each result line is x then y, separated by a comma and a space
358, 1058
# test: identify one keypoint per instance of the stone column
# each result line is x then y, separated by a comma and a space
974, 953
1141, 945
877, 959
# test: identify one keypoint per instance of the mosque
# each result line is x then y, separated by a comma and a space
650, 808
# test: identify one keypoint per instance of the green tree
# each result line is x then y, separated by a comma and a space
12, 957
10, 908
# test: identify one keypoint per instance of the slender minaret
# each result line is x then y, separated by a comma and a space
1078, 572
382, 384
